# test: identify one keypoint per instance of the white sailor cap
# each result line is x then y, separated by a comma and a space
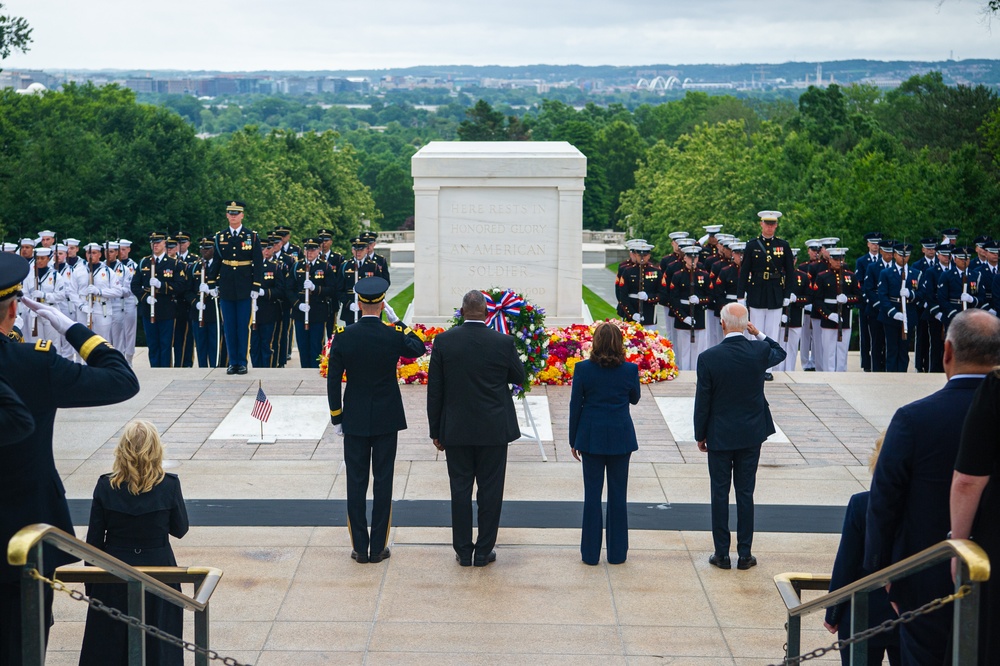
828, 242
43, 251
92, 246
713, 229
692, 250
124, 242
46, 234
61, 247
769, 215
677, 235
10, 247
111, 245
72, 242
837, 252
28, 241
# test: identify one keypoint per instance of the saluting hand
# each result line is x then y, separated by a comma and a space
752, 330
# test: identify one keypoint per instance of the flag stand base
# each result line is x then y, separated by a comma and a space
263, 439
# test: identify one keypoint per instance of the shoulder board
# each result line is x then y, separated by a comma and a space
43, 345
340, 329
405, 330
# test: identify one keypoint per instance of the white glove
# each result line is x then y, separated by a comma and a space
967, 298
92, 290
254, 295
694, 300
792, 298
642, 296
834, 317
86, 309
841, 298
199, 306
57, 297
150, 300
309, 285
338, 430
784, 319
390, 314
304, 307
204, 288
991, 311
807, 308
742, 301
155, 283
260, 292
898, 316
213, 292
938, 316
904, 292
688, 320
60, 322
785, 302
354, 307
637, 317
38, 294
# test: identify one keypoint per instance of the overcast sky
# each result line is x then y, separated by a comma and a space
237, 35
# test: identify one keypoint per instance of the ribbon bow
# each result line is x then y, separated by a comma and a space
509, 304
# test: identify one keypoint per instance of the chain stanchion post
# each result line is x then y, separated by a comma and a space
859, 622
201, 637
136, 637
33, 610
965, 644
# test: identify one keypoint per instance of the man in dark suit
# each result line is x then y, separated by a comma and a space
372, 412
908, 505
472, 419
30, 488
731, 421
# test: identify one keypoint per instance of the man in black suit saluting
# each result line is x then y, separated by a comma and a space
371, 414
472, 419
731, 421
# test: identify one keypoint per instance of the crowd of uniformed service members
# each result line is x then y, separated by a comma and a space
233, 297
902, 306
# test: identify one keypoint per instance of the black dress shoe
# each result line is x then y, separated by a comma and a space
465, 562
492, 557
231, 370
384, 555
241, 369
814, 370
360, 558
721, 561
745, 563
768, 377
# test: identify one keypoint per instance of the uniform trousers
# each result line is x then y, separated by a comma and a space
922, 346
807, 342
686, 352
738, 467
285, 339
206, 340
65, 349
791, 347
937, 345
668, 325
310, 343
126, 334
262, 342
236, 328
897, 350
834, 351
102, 321
864, 339
817, 346
767, 321
713, 328
361, 454
183, 340
486, 466
876, 333
159, 336
595, 467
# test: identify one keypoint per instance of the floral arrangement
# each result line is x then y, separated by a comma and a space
511, 313
408, 370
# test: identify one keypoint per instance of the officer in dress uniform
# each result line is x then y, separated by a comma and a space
729, 276
311, 285
202, 306
335, 261
714, 265
383, 266
922, 330
156, 284
237, 275
285, 325
810, 322
898, 294
869, 292
957, 289
638, 290
353, 270
935, 316
183, 342
986, 274
691, 294
792, 318
287, 247
371, 414
835, 290
270, 305
32, 491
872, 239
766, 277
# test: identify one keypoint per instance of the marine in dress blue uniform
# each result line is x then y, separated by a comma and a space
237, 276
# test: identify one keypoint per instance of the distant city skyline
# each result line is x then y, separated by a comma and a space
253, 35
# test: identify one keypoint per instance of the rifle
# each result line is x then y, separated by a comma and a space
840, 316
306, 313
902, 301
201, 297
90, 315
152, 289
786, 314
690, 304
965, 290
34, 319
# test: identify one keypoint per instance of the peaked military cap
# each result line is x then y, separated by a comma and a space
873, 236
928, 243
371, 289
369, 236
675, 235
182, 236
769, 215
903, 249
13, 270
157, 236
234, 205
310, 244
324, 234
358, 243
206, 242
944, 248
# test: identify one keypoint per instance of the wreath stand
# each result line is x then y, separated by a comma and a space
534, 429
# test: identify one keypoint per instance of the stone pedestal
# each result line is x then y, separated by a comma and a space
498, 214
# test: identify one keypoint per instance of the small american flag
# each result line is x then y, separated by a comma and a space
261, 406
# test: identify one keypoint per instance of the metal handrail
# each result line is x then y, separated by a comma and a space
973, 567
25, 550
205, 579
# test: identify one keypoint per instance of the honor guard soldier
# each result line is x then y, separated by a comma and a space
47, 239
285, 232
353, 270
793, 316
869, 293
156, 284
957, 289
922, 329
10, 248
125, 342
184, 246
633, 259
285, 327
203, 307
872, 239
371, 413
308, 291
183, 341
72, 252
97, 285
383, 266
237, 275
710, 242
766, 277
69, 301
807, 340
270, 306
729, 276
988, 276
639, 288
675, 250
691, 294
898, 295
43, 382
835, 291
27, 250
43, 285
935, 316
335, 261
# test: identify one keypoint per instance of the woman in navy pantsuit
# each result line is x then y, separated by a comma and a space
601, 430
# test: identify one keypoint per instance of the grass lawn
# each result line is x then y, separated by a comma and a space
402, 300
600, 309
613, 268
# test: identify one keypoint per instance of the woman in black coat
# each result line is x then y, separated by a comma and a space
135, 509
601, 431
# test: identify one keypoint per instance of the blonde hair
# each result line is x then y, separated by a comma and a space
138, 458
873, 458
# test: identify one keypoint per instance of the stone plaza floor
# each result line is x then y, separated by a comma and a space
271, 516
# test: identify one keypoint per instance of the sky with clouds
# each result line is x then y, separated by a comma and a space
246, 35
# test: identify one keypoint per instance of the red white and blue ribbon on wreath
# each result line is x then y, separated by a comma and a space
508, 305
